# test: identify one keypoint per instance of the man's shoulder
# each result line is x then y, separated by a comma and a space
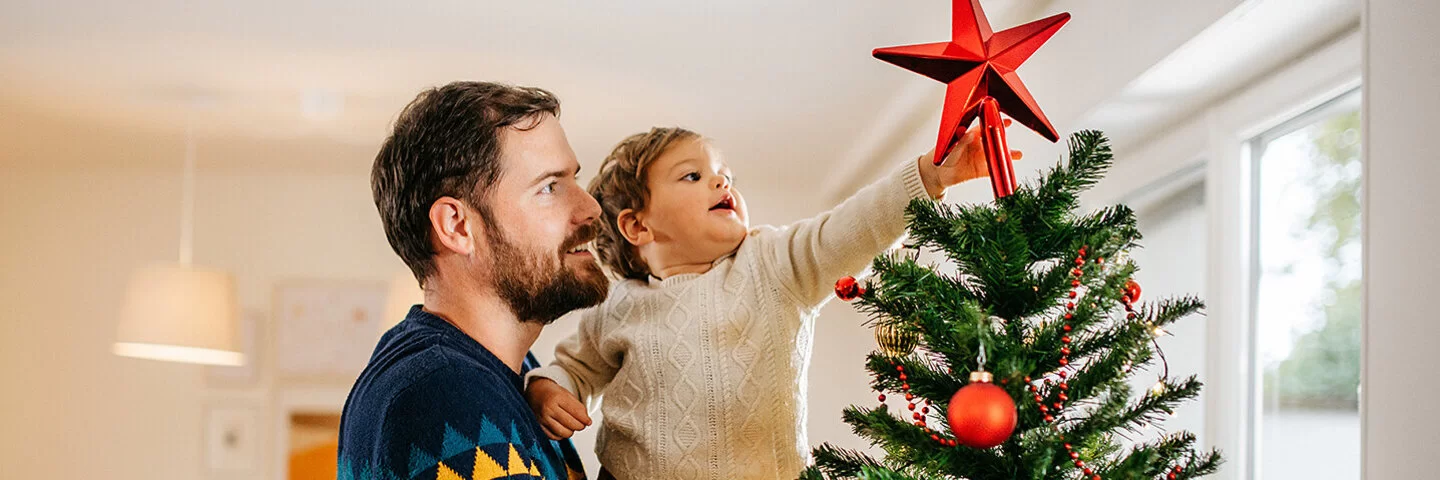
417, 408
434, 369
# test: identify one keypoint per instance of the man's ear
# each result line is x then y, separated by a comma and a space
633, 228
454, 225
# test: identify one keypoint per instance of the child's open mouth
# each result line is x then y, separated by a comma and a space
726, 203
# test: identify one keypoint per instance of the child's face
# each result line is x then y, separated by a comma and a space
694, 211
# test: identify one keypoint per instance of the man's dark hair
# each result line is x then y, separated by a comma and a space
446, 143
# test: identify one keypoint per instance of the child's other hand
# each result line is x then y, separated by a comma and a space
560, 413
965, 162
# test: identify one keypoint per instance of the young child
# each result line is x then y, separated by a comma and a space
702, 351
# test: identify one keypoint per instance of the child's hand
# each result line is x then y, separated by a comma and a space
560, 413
965, 162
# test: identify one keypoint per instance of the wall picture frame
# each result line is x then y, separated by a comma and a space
326, 329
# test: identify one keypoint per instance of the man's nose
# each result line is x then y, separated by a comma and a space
589, 210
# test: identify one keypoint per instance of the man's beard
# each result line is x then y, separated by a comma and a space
540, 287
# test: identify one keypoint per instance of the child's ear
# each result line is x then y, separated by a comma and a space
632, 228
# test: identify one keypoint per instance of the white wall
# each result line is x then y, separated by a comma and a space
1172, 264
1402, 215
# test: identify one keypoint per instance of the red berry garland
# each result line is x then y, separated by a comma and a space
1129, 294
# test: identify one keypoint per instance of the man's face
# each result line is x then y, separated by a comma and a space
538, 226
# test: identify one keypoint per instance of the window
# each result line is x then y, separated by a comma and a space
1305, 420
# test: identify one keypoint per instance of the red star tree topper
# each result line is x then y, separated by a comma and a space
978, 68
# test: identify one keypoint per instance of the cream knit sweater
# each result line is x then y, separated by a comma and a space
704, 375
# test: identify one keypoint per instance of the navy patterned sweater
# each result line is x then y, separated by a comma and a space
435, 404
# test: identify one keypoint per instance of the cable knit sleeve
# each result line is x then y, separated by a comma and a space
580, 364
810, 255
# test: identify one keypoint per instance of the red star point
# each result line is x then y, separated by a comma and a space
975, 64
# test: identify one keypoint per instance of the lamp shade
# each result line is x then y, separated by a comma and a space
404, 293
180, 314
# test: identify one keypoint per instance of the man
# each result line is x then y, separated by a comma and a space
477, 192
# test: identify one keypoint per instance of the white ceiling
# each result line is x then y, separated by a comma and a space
788, 89
783, 86
1247, 43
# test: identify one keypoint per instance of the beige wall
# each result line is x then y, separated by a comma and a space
1402, 214
68, 240
72, 229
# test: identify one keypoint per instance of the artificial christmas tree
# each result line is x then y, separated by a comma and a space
1023, 355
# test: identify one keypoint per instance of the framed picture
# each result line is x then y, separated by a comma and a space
305, 431
326, 329
251, 323
233, 439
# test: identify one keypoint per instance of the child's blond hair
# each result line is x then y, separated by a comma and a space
620, 185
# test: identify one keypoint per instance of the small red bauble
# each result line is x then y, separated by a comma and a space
848, 289
1133, 290
882, 397
981, 415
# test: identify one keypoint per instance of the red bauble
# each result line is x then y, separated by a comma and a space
848, 289
981, 415
1133, 290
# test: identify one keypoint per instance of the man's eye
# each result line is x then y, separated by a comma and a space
548, 188
692, 177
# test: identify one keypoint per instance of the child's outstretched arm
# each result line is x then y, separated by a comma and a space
810, 255
562, 393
